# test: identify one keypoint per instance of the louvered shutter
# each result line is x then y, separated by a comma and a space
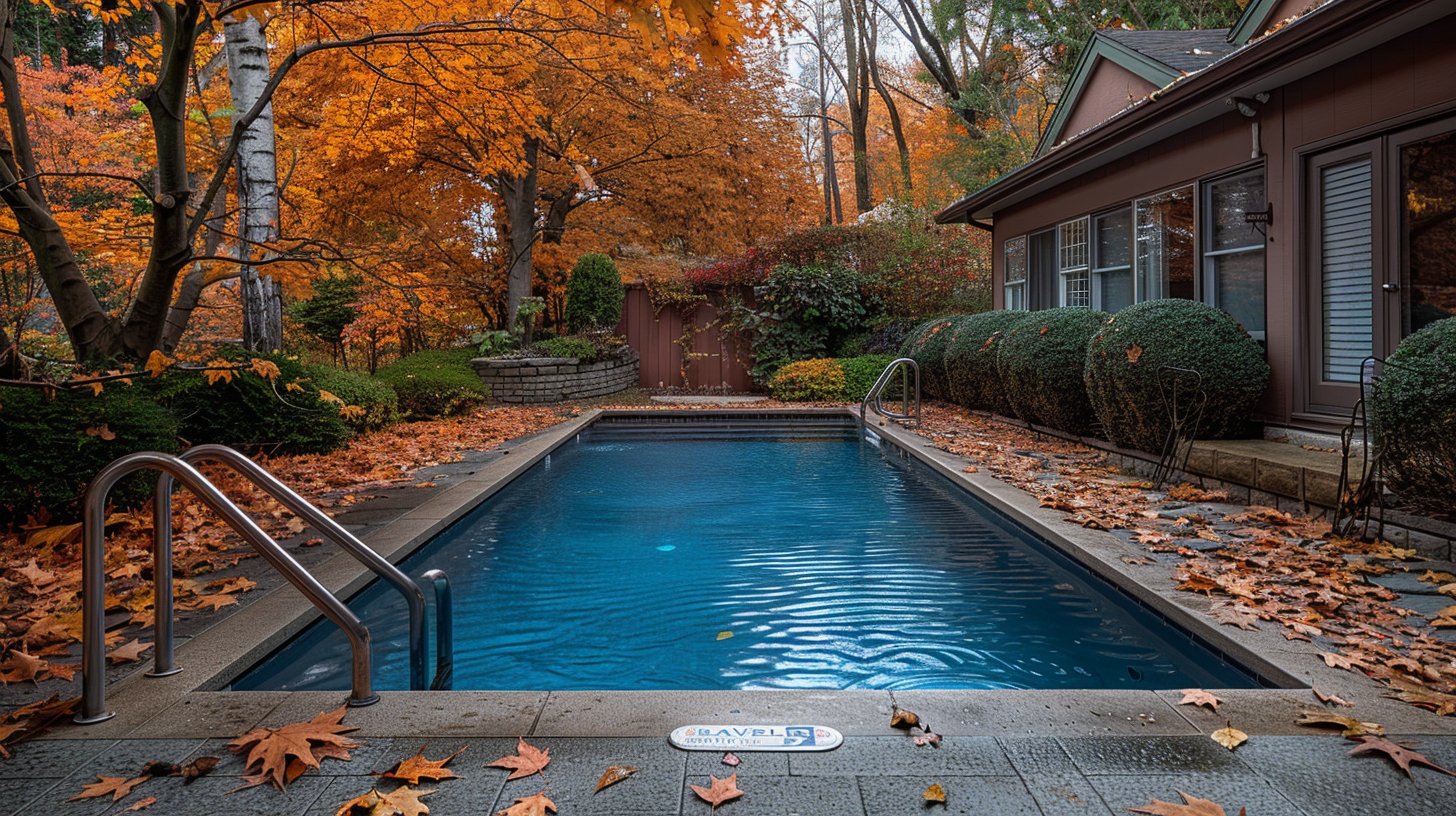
1346, 274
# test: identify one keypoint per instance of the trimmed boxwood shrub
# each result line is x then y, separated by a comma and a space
1124, 359
861, 372
252, 413
380, 404
927, 346
47, 457
1413, 411
594, 293
435, 383
818, 380
970, 361
1040, 359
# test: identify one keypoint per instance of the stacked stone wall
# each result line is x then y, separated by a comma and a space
532, 380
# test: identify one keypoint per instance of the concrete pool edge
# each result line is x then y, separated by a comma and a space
187, 703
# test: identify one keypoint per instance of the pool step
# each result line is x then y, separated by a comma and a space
716, 425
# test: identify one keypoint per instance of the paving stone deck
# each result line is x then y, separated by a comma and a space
873, 776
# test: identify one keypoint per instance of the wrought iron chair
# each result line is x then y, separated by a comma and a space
1183, 401
1362, 481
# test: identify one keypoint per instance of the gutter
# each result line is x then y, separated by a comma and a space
1322, 28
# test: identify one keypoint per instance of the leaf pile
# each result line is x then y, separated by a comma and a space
1260, 564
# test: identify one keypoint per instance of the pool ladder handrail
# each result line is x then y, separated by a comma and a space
872, 398
93, 577
444, 630
320, 521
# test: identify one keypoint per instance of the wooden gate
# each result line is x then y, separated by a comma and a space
658, 338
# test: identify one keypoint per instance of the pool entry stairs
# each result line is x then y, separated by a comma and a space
181, 469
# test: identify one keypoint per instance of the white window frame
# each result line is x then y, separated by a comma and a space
1013, 288
1073, 263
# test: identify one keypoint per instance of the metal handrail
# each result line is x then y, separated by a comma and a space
444, 629
93, 577
414, 597
872, 398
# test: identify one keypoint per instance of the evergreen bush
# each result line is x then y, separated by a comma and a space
52, 445
860, 374
1040, 358
594, 294
252, 413
927, 345
1125, 358
1413, 411
378, 401
819, 380
970, 361
435, 383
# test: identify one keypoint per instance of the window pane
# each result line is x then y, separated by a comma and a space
1016, 259
1078, 290
1346, 258
1072, 244
1165, 251
1230, 199
1428, 226
1114, 234
1114, 289
1238, 281
1016, 296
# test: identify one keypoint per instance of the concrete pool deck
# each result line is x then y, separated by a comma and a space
1004, 752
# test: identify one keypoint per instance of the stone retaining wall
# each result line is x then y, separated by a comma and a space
555, 379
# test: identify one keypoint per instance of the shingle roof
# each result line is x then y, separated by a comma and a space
1186, 51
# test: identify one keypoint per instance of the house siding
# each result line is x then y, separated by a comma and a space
1403, 82
1110, 88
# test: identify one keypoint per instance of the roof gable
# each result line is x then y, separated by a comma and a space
1157, 57
1261, 15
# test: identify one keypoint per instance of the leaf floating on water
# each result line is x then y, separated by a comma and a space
934, 794
1064, 587
724, 635
1229, 737
718, 790
731, 759
903, 717
613, 775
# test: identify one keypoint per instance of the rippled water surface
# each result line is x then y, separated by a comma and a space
727, 564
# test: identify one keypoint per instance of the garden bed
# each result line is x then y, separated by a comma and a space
529, 380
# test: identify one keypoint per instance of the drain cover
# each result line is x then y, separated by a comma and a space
756, 738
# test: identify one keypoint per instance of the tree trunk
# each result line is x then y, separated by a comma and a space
518, 193
257, 180
872, 41
856, 95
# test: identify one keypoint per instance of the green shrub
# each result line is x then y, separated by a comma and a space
1413, 411
818, 380
860, 374
47, 456
970, 361
582, 348
594, 293
806, 312
927, 345
435, 383
377, 400
1125, 357
253, 413
1040, 358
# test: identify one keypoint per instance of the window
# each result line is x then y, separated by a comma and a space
1346, 262
1112, 260
1233, 251
1427, 230
1072, 258
1163, 231
1015, 288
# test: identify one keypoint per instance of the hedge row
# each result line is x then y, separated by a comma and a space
1065, 368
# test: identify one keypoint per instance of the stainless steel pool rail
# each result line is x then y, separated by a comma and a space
320, 521
872, 399
444, 630
93, 577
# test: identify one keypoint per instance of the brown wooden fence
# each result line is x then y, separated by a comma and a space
657, 337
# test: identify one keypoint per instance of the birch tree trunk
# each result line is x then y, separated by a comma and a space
257, 179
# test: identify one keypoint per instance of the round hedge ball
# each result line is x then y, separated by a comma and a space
926, 346
970, 361
1040, 360
1413, 411
1126, 357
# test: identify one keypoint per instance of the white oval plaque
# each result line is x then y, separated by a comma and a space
756, 738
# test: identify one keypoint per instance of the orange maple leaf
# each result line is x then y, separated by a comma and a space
1401, 755
271, 751
1134, 352
534, 805
157, 362
218, 371
129, 653
1199, 697
118, 787
719, 790
1193, 807
528, 760
398, 802
411, 771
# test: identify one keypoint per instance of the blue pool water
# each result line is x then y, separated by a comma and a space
624, 561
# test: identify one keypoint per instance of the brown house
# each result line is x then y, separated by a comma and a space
1297, 171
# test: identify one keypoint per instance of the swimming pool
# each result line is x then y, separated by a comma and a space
757, 556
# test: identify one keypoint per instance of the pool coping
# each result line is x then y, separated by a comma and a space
190, 704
